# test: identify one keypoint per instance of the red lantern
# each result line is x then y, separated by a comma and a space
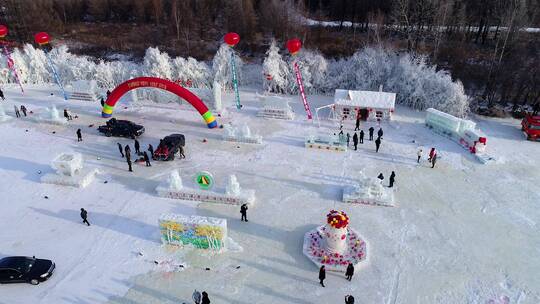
3, 31
294, 45
41, 38
232, 38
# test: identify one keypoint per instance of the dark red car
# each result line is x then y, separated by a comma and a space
169, 147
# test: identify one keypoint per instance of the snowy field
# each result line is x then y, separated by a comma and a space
460, 233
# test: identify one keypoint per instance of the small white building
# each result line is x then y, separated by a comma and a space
368, 105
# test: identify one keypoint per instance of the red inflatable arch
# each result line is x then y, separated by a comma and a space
153, 82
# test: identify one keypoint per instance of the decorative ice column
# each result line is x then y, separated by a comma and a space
246, 132
175, 181
233, 186
335, 231
218, 107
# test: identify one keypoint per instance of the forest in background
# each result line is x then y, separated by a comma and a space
487, 44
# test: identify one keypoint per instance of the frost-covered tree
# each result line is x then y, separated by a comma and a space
32, 65
72, 67
313, 67
276, 72
157, 64
190, 69
221, 66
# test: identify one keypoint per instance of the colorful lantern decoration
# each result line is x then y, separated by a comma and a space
232, 39
42, 39
294, 46
11, 64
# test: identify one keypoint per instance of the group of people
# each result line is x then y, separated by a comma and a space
200, 297
358, 138
432, 159
18, 113
392, 179
126, 152
349, 299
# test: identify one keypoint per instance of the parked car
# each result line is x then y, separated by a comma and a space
530, 125
122, 128
170, 146
20, 269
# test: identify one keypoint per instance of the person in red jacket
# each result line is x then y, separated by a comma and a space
432, 152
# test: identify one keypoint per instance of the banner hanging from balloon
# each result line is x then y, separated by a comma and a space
232, 39
10, 62
42, 39
294, 46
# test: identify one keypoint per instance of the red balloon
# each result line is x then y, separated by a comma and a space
294, 45
3, 31
41, 38
231, 38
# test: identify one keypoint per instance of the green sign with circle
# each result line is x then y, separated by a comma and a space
205, 180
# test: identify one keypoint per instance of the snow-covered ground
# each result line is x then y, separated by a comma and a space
460, 233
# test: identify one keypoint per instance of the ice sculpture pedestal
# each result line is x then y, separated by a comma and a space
369, 191
70, 171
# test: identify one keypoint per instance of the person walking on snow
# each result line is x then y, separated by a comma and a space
23, 109
84, 216
357, 127
2, 95
371, 133
196, 296
361, 137
377, 144
243, 211
151, 150
355, 141
127, 149
433, 160
322, 275
17, 113
432, 152
147, 159
79, 135
348, 139
349, 299
381, 177
205, 299
137, 147
419, 153
350, 271
380, 133
120, 149
392, 179
67, 115
129, 164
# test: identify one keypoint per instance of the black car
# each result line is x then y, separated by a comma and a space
123, 128
19, 269
169, 147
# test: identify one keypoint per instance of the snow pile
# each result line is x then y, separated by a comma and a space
240, 134
3, 116
232, 194
275, 107
70, 171
326, 142
368, 191
51, 116
197, 231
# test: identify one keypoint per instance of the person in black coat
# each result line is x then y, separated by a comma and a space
392, 179
2, 95
79, 135
120, 149
322, 275
102, 101
129, 164
23, 109
361, 136
127, 149
381, 177
348, 139
371, 133
380, 132
349, 299
350, 271
355, 141
151, 150
205, 299
147, 159
357, 127
66, 115
84, 216
377, 144
137, 147
243, 211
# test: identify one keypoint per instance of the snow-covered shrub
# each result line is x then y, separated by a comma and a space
313, 67
192, 70
276, 72
221, 66
157, 64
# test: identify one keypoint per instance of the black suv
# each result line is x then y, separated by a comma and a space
170, 146
123, 128
20, 269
